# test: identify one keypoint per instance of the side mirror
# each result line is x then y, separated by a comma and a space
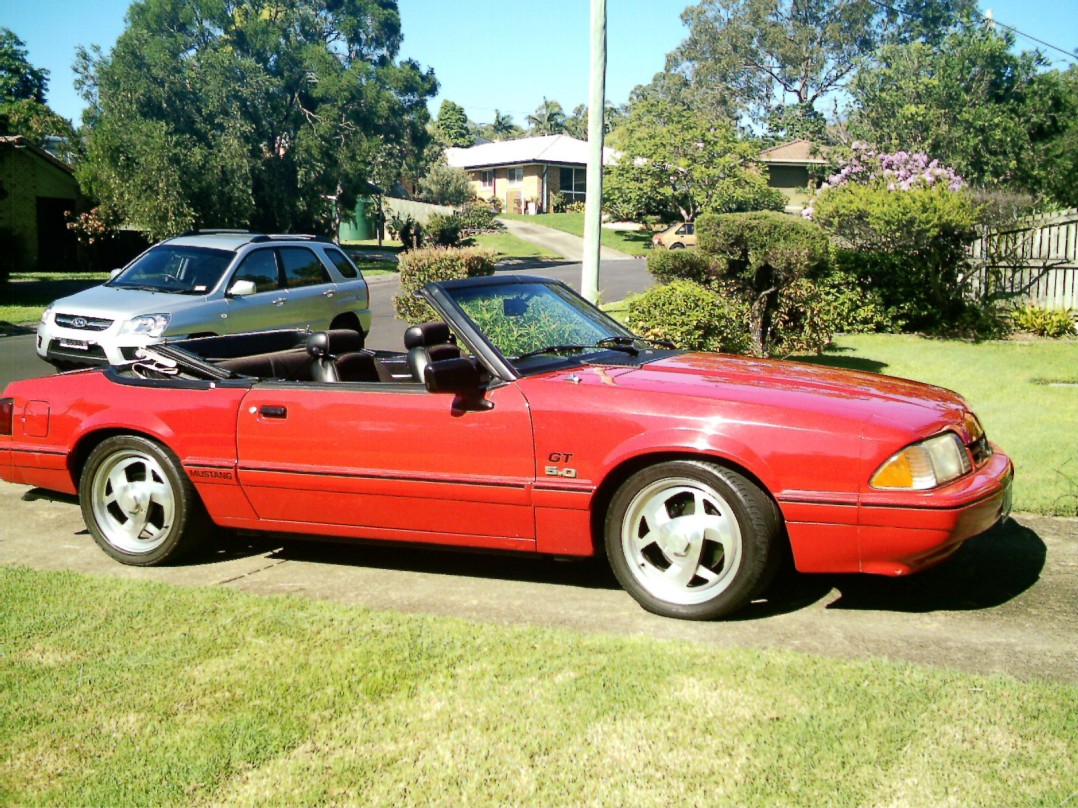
114, 272
460, 377
242, 289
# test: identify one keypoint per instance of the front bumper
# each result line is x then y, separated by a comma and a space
71, 347
899, 540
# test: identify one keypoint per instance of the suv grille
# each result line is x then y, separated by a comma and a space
82, 323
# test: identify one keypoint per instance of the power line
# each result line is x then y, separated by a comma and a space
994, 21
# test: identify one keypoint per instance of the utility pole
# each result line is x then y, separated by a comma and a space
593, 206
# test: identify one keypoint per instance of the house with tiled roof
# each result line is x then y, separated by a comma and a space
793, 167
525, 175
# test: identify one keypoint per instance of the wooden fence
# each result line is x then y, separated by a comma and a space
1036, 262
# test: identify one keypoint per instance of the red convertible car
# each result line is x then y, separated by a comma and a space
525, 420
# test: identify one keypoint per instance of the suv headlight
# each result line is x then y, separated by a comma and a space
46, 314
150, 325
925, 465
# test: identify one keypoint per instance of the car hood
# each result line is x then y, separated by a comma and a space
121, 304
886, 401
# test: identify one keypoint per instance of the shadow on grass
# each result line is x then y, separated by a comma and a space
845, 362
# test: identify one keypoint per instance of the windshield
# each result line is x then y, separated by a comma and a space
536, 324
171, 268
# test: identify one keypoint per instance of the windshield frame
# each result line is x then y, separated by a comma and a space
443, 296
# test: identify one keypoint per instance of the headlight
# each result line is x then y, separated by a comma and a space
45, 314
150, 325
925, 465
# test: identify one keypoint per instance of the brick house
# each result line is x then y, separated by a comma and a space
792, 168
37, 193
525, 175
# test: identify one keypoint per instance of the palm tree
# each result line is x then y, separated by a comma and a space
548, 119
502, 125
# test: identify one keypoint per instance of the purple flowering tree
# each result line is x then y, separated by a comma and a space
900, 223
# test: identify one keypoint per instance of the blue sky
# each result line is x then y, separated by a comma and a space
487, 54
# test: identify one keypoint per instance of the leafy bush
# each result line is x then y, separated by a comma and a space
759, 255
444, 229
903, 222
687, 265
406, 230
1044, 322
853, 309
692, 316
477, 216
421, 266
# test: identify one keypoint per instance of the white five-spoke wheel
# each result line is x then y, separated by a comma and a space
691, 539
137, 502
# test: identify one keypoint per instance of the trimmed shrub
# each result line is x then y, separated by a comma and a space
685, 265
1044, 322
420, 267
760, 255
477, 216
691, 316
444, 229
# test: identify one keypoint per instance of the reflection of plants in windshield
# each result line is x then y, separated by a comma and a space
544, 322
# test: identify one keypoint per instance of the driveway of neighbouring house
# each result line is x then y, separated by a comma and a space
1004, 604
568, 246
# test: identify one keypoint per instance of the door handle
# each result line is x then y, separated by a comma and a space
328, 293
280, 301
271, 411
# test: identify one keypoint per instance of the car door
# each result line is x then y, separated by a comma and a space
268, 307
311, 290
389, 461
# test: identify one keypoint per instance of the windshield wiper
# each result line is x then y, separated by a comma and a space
557, 349
141, 286
619, 340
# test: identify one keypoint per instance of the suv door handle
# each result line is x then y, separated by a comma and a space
328, 293
280, 301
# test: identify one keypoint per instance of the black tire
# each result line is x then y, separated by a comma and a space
138, 503
349, 321
677, 245
713, 549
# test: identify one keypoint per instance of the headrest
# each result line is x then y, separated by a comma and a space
421, 336
345, 340
318, 344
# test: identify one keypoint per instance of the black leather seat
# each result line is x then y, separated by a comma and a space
323, 365
428, 343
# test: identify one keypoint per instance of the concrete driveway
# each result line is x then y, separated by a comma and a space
1005, 603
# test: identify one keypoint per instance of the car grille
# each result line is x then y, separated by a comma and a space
82, 323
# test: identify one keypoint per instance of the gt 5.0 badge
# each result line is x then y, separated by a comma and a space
555, 471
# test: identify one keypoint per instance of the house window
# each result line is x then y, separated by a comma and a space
573, 183
486, 179
516, 175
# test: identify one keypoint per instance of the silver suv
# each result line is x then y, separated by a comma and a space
206, 283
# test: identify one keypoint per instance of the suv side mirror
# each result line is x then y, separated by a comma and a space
460, 377
242, 289
114, 272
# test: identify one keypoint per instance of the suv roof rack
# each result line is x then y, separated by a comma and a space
290, 237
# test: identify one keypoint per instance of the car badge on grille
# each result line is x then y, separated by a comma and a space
79, 322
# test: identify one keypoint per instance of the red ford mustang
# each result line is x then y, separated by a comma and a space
526, 420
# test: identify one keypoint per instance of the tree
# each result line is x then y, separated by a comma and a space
1057, 154
678, 161
548, 119
23, 110
576, 125
502, 126
451, 128
757, 56
274, 116
971, 102
446, 185
19, 80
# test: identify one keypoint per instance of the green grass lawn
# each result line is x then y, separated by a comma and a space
28, 293
124, 693
633, 243
1024, 392
508, 246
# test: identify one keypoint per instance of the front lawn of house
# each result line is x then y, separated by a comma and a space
124, 693
627, 241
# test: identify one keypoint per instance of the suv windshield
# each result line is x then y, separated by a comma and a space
536, 324
171, 268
